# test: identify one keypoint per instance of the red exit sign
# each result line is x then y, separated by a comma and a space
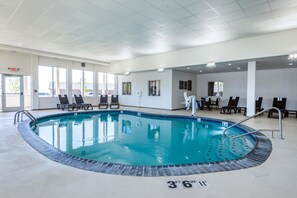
13, 69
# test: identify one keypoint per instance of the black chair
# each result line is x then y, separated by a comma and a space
64, 103
281, 105
114, 104
215, 104
205, 103
103, 102
81, 104
232, 105
258, 106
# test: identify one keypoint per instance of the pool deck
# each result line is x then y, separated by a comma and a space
26, 173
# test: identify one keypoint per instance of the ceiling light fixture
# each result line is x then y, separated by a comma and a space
290, 63
200, 71
292, 56
160, 69
188, 68
127, 73
238, 67
229, 64
211, 65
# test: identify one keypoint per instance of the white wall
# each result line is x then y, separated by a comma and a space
235, 84
139, 81
269, 84
17, 60
178, 94
277, 83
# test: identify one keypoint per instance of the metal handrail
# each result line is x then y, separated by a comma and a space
22, 112
279, 123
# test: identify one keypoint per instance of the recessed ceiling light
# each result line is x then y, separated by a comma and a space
188, 68
290, 63
238, 67
229, 64
200, 71
292, 56
160, 69
211, 65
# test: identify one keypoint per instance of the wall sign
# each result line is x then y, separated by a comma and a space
186, 184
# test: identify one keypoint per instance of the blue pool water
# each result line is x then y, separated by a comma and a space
131, 138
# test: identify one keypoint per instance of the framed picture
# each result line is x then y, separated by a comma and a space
154, 87
126, 88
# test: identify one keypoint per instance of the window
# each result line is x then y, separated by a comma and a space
215, 88
51, 81
82, 82
106, 84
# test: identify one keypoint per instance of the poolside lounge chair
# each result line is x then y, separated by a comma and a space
114, 104
64, 103
232, 105
103, 102
281, 105
81, 104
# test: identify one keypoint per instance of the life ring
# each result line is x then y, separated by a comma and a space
138, 93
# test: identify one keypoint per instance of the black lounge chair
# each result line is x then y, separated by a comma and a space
281, 105
103, 102
114, 104
232, 105
258, 105
64, 103
81, 104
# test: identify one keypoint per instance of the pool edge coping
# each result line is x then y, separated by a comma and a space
256, 157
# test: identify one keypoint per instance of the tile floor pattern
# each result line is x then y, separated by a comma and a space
26, 173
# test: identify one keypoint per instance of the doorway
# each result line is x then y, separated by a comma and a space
12, 92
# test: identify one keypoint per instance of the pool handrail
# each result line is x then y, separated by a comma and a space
261, 112
22, 112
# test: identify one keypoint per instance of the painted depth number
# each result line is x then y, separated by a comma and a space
187, 184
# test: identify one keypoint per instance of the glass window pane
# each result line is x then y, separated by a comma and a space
110, 84
101, 83
89, 86
77, 82
59, 81
45, 84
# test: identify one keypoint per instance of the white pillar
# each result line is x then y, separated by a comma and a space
69, 81
34, 82
251, 88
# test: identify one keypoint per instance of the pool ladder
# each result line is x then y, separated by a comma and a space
280, 126
21, 113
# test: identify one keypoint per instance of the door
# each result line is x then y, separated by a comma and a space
12, 93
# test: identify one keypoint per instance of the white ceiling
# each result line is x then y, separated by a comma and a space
110, 30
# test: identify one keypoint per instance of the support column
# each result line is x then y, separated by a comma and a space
69, 81
251, 88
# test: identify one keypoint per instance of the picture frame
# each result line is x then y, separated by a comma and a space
154, 87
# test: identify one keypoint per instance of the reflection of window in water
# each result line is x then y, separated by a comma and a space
153, 132
126, 126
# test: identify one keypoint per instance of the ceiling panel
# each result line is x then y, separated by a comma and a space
118, 29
